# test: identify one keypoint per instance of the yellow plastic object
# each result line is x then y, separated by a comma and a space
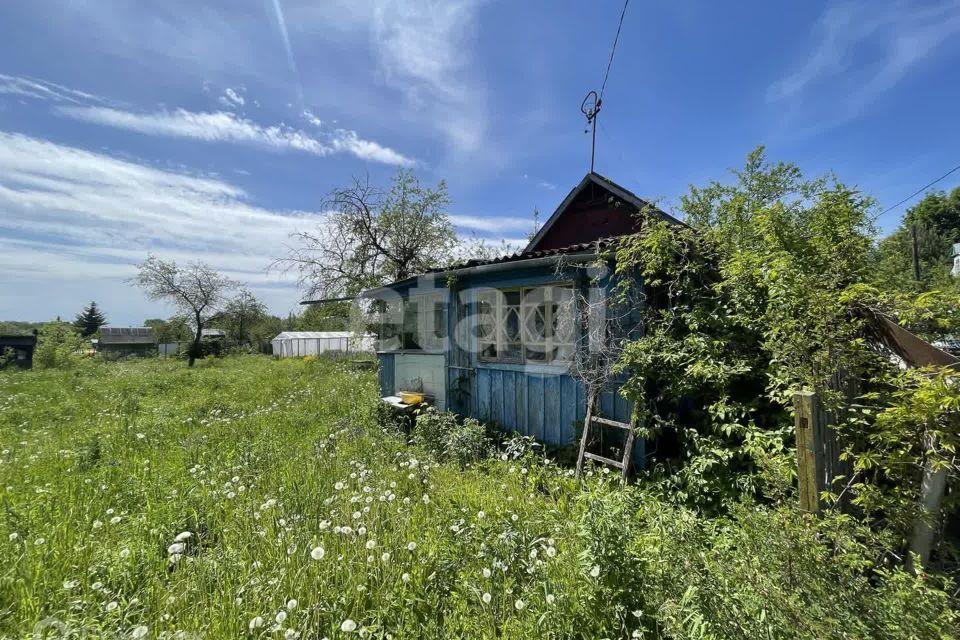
411, 397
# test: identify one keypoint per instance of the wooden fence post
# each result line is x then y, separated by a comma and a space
809, 448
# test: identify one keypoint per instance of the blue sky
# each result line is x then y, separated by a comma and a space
212, 130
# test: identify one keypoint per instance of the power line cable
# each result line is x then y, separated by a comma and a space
613, 50
916, 193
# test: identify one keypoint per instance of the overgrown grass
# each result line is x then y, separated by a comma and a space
306, 519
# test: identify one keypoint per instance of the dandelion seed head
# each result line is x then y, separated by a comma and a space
348, 626
317, 553
139, 632
256, 623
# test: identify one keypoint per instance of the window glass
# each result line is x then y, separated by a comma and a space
534, 324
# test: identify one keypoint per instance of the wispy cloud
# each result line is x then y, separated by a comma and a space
424, 50
71, 215
491, 224
232, 98
40, 89
223, 126
861, 50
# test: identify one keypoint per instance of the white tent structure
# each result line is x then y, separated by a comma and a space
294, 344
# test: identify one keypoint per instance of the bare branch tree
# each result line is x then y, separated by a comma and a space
195, 288
372, 237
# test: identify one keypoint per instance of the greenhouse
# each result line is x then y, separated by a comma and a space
294, 344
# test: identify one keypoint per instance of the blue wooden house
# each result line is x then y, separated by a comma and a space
495, 339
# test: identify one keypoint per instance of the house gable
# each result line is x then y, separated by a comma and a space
596, 208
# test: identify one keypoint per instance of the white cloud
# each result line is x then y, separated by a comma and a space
422, 50
861, 50
491, 224
76, 221
223, 126
33, 88
232, 98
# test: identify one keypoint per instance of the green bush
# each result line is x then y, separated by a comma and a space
448, 439
430, 430
58, 347
760, 572
466, 443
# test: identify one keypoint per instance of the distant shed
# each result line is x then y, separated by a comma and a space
292, 344
127, 341
19, 349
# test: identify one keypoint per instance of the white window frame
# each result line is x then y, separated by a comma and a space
432, 338
529, 302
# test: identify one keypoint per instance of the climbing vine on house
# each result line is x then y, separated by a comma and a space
757, 299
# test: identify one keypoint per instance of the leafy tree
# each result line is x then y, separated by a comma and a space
195, 288
937, 221
332, 316
89, 321
58, 346
175, 329
240, 314
371, 237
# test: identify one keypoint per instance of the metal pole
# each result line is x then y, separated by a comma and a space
593, 144
916, 253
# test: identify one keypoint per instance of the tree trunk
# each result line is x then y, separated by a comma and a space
931, 495
195, 347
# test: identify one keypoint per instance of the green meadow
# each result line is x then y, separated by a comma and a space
251, 497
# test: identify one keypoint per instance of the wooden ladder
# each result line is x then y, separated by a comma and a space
630, 428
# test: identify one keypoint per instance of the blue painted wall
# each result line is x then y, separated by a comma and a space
543, 401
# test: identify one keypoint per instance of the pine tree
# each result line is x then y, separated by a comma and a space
89, 320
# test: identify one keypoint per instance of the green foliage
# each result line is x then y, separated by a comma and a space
743, 308
937, 221
448, 438
58, 347
467, 443
89, 321
175, 329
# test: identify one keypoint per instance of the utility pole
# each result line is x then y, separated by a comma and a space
916, 252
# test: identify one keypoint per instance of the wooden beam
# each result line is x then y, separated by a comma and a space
809, 461
609, 461
612, 423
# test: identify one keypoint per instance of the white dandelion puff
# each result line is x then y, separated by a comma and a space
405, 577
519, 604
281, 617
550, 598
256, 623
348, 626
292, 604
112, 605
139, 632
486, 597
486, 572
371, 544
411, 546
595, 571
183, 535
317, 553
176, 547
